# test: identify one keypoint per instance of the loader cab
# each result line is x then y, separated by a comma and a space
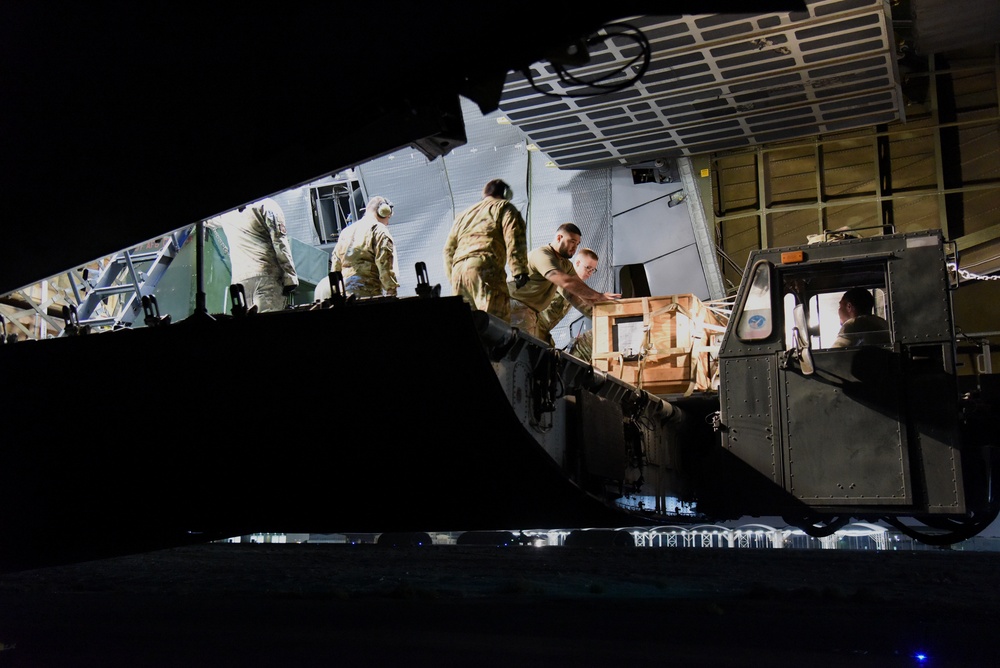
862, 427
820, 294
810, 296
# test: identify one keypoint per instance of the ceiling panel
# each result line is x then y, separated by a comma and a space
713, 82
941, 25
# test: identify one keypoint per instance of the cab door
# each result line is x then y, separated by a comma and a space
843, 426
843, 430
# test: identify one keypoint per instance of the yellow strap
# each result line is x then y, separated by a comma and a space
669, 352
695, 363
674, 306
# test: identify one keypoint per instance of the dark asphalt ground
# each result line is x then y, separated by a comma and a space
446, 605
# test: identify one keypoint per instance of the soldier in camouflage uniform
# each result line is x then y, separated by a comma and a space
484, 239
549, 271
365, 255
584, 265
582, 346
261, 254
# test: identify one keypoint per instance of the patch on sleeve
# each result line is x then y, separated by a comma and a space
274, 223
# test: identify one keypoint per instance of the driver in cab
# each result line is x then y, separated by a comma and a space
858, 325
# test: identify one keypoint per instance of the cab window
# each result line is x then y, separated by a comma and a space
821, 291
756, 320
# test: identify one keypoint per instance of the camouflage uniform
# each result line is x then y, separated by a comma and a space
486, 237
528, 301
365, 255
261, 254
583, 346
553, 314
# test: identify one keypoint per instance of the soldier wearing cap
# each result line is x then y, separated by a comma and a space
365, 255
483, 240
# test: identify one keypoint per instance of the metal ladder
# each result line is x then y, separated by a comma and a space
133, 274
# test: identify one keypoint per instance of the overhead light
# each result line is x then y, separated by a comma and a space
503, 120
532, 147
550, 164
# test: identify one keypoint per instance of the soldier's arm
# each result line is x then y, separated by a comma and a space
450, 244
385, 249
336, 262
581, 305
572, 286
282, 247
515, 238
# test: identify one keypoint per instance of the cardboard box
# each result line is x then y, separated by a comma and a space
664, 345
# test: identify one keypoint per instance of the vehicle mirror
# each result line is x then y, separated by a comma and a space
806, 361
803, 341
802, 338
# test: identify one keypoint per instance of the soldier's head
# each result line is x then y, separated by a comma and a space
498, 188
855, 302
380, 207
567, 239
585, 263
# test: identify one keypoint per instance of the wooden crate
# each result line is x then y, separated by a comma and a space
664, 345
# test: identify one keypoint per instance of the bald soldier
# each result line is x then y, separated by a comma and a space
550, 270
484, 239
